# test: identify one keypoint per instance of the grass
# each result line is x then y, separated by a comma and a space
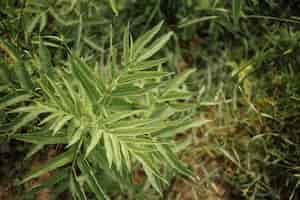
242, 61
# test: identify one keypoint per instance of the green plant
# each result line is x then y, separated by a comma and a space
108, 118
246, 55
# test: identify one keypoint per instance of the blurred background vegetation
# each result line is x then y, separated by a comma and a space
246, 53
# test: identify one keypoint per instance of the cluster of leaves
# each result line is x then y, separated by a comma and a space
108, 117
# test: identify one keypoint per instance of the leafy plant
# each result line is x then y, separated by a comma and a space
108, 118
246, 55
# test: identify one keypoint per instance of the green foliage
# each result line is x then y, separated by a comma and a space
122, 110
73, 78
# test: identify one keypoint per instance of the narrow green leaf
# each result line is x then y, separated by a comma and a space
122, 115
78, 36
162, 112
131, 52
229, 156
143, 75
76, 189
25, 120
155, 47
50, 117
61, 123
114, 7
174, 83
151, 168
56, 45
36, 148
143, 40
31, 26
139, 141
126, 155
196, 20
130, 90
70, 89
183, 144
95, 139
119, 104
28, 109
148, 64
117, 153
112, 60
76, 137
94, 87
236, 10
137, 148
181, 107
90, 42
59, 161
23, 76
133, 132
172, 131
41, 138
131, 123
173, 160
43, 21
86, 83
153, 180
91, 179
13, 98
45, 58
108, 149
175, 95
55, 122
61, 20
126, 50
60, 94
49, 91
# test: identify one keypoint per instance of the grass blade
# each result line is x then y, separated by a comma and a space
58, 161
196, 20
